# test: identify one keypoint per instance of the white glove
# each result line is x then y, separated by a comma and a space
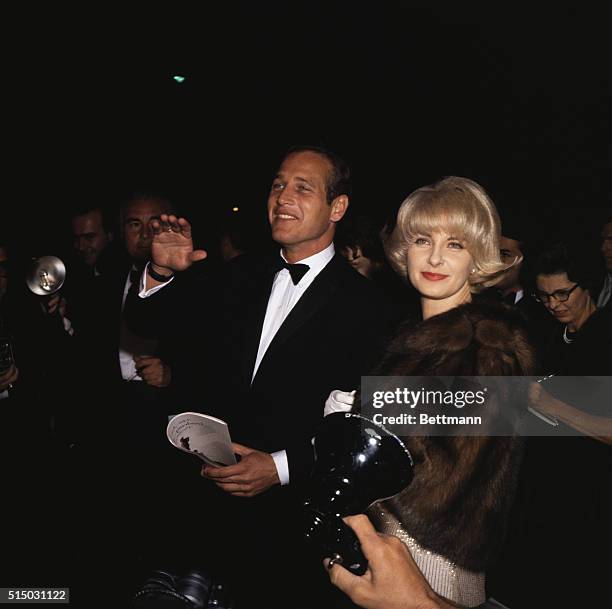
339, 401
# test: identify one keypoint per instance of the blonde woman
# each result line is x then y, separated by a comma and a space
452, 515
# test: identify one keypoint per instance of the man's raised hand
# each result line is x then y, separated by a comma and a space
172, 245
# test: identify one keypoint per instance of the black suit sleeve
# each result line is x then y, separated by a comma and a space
183, 316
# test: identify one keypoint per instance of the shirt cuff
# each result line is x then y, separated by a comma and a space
282, 466
143, 292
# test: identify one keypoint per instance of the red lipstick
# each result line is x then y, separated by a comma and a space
434, 276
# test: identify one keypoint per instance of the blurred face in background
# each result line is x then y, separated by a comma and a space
509, 251
136, 227
89, 237
362, 264
606, 246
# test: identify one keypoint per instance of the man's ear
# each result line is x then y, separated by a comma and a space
338, 207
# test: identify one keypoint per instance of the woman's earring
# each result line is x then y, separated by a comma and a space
473, 271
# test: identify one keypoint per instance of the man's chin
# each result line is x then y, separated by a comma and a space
283, 237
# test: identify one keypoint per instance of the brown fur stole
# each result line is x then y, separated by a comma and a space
458, 502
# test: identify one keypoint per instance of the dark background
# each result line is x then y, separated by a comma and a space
517, 98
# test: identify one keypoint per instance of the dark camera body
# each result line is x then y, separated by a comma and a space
193, 589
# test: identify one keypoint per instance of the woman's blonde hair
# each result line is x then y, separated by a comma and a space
460, 207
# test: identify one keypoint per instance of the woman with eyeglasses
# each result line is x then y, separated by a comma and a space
565, 492
580, 345
566, 285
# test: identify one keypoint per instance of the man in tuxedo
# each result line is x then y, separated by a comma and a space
287, 340
292, 329
123, 362
126, 379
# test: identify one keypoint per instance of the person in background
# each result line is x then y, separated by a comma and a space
91, 255
605, 295
127, 379
564, 497
91, 235
509, 286
566, 281
513, 288
35, 373
580, 345
359, 241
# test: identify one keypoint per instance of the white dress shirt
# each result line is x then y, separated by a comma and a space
518, 296
130, 344
283, 297
142, 287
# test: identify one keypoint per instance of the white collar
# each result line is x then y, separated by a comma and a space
318, 261
519, 295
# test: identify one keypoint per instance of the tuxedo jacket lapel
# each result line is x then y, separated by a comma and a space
256, 313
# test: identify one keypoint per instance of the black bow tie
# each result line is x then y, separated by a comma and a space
297, 271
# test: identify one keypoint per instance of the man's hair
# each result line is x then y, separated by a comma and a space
146, 195
339, 178
88, 208
462, 208
515, 226
581, 265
